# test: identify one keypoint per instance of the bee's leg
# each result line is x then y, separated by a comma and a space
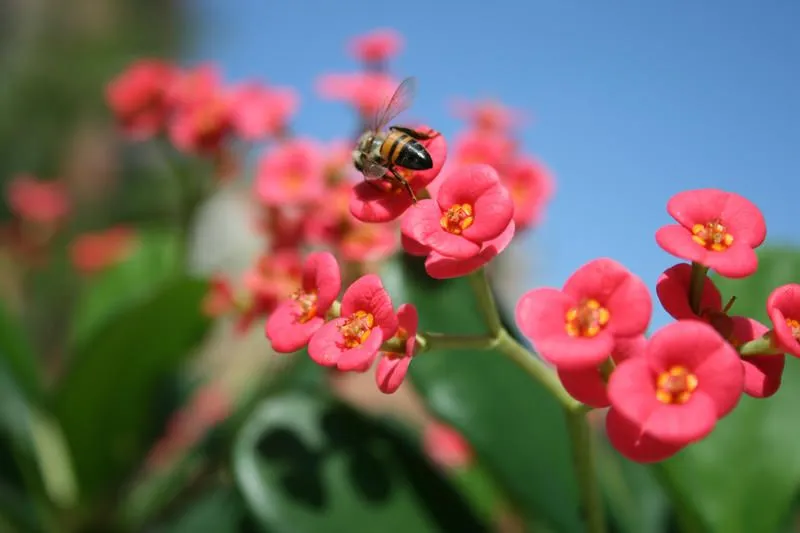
418, 135
404, 183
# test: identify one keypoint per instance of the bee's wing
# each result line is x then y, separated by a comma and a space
401, 100
373, 170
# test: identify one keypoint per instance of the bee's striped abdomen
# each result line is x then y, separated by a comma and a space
404, 151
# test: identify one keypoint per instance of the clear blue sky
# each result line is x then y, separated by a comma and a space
632, 100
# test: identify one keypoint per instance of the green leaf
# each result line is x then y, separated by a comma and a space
743, 477
484, 396
219, 510
18, 356
306, 465
154, 262
107, 401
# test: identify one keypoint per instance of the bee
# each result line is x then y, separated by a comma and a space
378, 152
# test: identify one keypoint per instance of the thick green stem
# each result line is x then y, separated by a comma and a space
440, 341
486, 304
698, 281
591, 502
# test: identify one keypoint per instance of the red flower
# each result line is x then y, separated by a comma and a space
376, 46
762, 373
194, 85
368, 242
138, 97
588, 385
259, 111
393, 367
672, 289
687, 378
93, 252
382, 200
488, 115
531, 187
576, 327
717, 229
783, 307
440, 266
294, 321
37, 201
446, 447
632, 443
273, 278
367, 92
352, 341
471, 208
490, 148
291, 173
201, 125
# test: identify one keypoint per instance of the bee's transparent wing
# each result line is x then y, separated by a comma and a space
401, 100
373, 170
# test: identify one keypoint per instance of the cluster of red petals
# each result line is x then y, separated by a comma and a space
209, 406
385, 200
194, 108
32, 200
715, 228
783, 307
468, 223
375, 47
93, 252
291, 174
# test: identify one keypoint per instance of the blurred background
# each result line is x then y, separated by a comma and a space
625, 105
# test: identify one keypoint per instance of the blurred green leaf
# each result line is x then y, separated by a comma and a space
154, 262
18, 356
484, 395
744, 476
307, 465
106, 403
219, 510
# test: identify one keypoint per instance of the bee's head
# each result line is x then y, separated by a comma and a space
357, 160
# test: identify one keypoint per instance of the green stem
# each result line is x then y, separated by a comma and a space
698, 281
441, 341
591, 502
486, 304
689, 520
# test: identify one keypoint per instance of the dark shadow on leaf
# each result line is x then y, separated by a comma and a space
300, 466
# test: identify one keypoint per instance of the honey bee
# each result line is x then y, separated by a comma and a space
378, 152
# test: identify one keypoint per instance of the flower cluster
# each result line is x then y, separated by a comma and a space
667, 391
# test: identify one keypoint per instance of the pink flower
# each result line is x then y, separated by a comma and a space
446, 447
272, 279
219, 299
376, 46
352, 341
576, 327
531, 187
37, 201
393, 367
762, 373
201, 125
687, 378
672, 289
588, 385
195, 85
367, 92
488, 115
291, 173
439, 266
471, 208
385, 199
783, 307
93, 252
292, 324
368, 242
715, 228
260, 111
629, 440
472, 147
138, 97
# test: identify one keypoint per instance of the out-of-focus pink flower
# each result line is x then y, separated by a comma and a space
762, 373
473, 146
192, 86
367, 92
219, 299
531, 187
272, 279
200, 127
260, 111
138, 97
446, 447
291, 173
93, 252
383, 200
339, 161
37, 201
488, 115
368, 242
376, 46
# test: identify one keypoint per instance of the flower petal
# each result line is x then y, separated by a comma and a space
585, 385
286, 332
672, 289
360, 358
321, 273
391, 372
629, 440
368, 294
439, 266
325, 346
373, 201
422, 223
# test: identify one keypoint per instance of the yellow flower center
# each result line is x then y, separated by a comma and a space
795, 327
675, 386
357, 328
308, 304
712, 236
457, 218
587, 319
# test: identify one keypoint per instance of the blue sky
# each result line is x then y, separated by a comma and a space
632, 100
